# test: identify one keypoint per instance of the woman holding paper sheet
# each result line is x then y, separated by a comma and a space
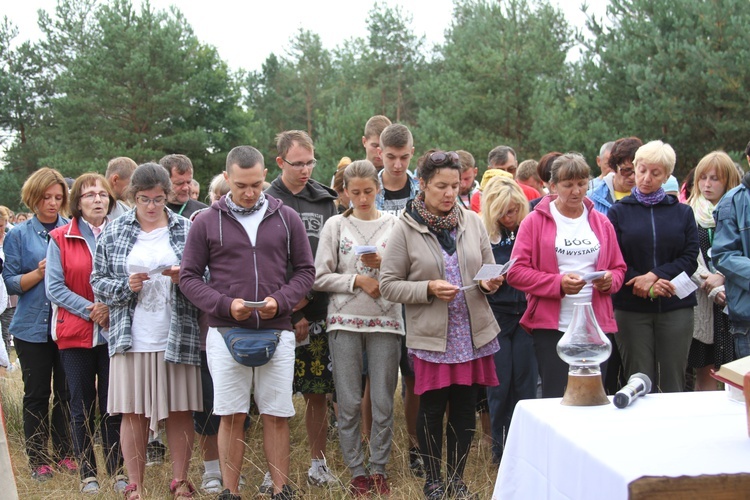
154, 336
435, 250
504, 206
559, 244
359, 320
712, 343
659, 241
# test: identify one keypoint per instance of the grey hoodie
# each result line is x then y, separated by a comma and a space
315, 206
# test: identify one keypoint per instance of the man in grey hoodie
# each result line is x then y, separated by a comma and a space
313, 378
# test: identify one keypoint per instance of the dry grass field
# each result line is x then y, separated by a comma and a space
480, 472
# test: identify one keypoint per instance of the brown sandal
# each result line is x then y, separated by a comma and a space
177, 483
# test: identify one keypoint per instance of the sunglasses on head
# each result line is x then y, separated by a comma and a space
444, 158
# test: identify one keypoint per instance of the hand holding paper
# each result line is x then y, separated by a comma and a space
683, 285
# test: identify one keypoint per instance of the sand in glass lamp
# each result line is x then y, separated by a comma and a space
584, 347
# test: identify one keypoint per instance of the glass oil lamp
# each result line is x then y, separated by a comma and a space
584, 347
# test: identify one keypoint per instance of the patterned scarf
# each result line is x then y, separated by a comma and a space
440, 225
649, 199
231, 205
704, 211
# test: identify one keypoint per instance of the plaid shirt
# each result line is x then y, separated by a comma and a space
110, 283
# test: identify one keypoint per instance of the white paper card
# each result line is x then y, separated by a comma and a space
364, 249
133, 269
490, 271
593, 276
255, 305
684, 286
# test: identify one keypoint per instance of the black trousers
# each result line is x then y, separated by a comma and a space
43, 376
87, 372
459, 429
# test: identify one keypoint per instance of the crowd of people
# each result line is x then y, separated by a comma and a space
125, 293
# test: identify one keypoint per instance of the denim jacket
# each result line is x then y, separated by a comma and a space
25, 246
413, 189
731, 250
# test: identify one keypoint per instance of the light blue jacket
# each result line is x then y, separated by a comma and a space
731, 250
413, 189
603, 194
25, 246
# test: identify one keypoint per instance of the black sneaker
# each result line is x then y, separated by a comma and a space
434, 490
416, 464
286, 493
227, 495
458, 489
155, 453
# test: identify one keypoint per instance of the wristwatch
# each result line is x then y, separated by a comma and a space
310, 296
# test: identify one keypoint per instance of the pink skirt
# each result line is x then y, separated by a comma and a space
429, 376
145, 384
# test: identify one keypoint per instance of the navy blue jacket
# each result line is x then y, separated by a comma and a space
662, 239
507, 300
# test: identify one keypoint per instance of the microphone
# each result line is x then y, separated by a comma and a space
638, 385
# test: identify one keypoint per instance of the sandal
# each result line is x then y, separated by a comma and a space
131, 492
177, 483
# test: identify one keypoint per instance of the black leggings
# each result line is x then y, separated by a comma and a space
459, 430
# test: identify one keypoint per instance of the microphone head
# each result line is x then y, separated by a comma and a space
644, 378
621, 400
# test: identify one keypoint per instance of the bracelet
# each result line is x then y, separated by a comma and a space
651, 294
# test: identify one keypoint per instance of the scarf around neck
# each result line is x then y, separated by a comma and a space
704, 211
439, 225
231, 205
649, 199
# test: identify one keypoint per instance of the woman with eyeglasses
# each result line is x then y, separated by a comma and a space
617, 184
79, 327
46, 193
557, 244
154, 344
435, 250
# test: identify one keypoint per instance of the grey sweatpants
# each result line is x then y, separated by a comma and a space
383, 355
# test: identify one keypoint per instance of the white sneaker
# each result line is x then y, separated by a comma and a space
266, 487
321, 476
89, 486
211, 483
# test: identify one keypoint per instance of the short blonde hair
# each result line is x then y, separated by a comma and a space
38, 183
656, 153
498, 196
726, 171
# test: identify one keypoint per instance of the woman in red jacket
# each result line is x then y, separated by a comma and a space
79, 326
559, 243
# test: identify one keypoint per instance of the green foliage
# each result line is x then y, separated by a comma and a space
107, 79
673, 70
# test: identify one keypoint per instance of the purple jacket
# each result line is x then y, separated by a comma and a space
237, 269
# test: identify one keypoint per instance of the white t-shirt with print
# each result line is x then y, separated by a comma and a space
577, 250
153, 311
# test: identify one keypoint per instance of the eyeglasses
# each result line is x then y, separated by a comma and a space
92, 196
625, 172
443, 158
144, 201
301, 164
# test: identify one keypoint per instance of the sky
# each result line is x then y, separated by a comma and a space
245, 33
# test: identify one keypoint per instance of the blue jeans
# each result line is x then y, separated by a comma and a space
741, 336
517, 372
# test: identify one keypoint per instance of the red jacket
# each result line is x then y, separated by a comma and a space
536, 272
70, 330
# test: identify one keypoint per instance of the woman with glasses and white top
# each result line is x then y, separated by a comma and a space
154, 344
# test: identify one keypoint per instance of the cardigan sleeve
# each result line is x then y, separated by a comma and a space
327, 266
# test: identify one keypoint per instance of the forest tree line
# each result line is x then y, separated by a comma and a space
107, 79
